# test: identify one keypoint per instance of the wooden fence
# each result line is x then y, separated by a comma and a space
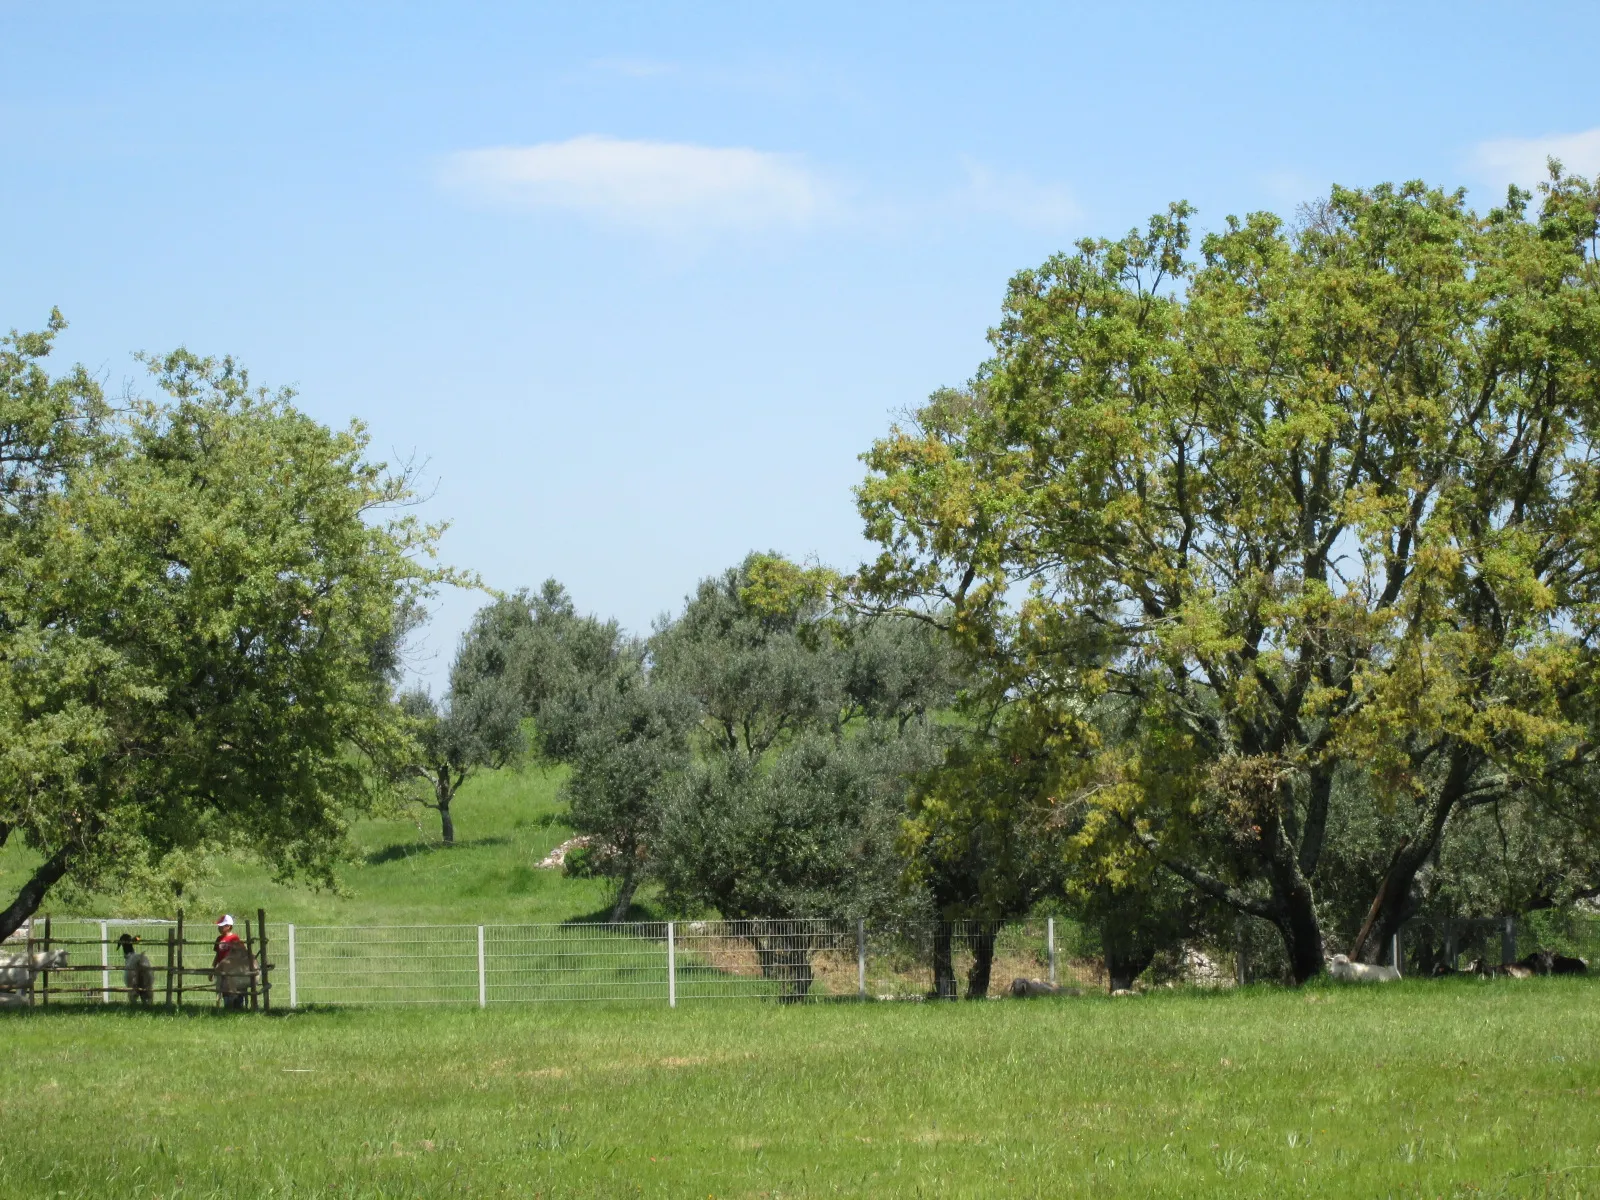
175, 965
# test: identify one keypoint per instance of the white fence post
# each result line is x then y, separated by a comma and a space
294, 990
672, 968
861, 959
1050, 941
483, 979
105, 968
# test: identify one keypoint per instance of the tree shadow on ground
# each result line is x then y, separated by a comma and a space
416, 849
602, 916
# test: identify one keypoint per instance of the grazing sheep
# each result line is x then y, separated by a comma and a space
17, 973
1342, 968
1548, 962
1023, 988
137, 973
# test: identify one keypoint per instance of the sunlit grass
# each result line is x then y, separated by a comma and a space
506, 821
1453, 1088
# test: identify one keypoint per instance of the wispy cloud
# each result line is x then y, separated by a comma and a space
1050, 207
1522, 160
671, 187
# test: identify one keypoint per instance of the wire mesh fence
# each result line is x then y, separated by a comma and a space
661, 962
665, 962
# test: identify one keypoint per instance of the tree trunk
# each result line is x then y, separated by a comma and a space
32, 893
1295, 905
625, 890
1399, 898
982, 960
944, 969
1302, 934
1125, 964
443, 794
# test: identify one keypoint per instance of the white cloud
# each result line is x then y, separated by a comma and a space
1019, 199
1522, 160
671, 187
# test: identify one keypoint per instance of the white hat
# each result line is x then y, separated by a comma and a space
225, 919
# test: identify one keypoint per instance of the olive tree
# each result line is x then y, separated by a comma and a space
810, 726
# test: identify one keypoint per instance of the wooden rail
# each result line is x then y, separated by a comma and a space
177, 976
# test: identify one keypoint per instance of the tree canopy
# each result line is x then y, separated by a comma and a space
1322, 498
199, 600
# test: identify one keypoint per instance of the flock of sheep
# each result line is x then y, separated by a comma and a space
19, 971
1540, 962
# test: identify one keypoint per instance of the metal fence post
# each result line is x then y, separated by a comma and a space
294, 984
483, 979
1394, 951
1050, 941
672, 968
105, 968
861, 959
1508, 940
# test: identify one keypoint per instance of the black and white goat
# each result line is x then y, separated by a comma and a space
137, 973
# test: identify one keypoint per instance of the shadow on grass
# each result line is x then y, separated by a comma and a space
402, 850
602, 916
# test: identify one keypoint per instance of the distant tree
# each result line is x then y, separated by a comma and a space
987, 831
198, 607
475, 727
555, 659
1324, 498
810, 725
628, 744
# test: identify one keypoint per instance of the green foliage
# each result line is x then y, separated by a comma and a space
627, 751
812, 722
1322, 499
197, 610
810, 832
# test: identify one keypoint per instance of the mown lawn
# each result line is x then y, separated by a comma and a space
1456, 1088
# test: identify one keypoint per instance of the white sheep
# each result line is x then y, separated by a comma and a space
17, 972
1342, 968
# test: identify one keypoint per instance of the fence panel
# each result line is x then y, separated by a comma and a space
427, 964
576, 962
654, 962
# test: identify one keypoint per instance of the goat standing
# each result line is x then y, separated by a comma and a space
137, 973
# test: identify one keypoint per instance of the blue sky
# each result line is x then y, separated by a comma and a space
641, 282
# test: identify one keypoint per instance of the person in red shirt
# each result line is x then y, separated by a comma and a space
227, 945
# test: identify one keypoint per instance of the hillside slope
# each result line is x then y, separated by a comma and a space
506, 821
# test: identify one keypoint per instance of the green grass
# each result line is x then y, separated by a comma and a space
506, 821
1451, 1088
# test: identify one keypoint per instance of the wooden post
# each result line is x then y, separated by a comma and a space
263, 965
45, 998
250, 951
180, 958
169, 967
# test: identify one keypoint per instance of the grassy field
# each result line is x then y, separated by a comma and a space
1455, 1088
506, 821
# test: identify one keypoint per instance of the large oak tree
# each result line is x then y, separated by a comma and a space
1322, 498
